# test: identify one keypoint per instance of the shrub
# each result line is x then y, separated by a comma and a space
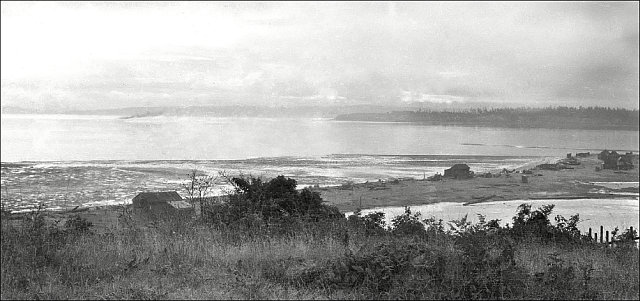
529, 223
558, 281
407, 224
380, 267
487, 266
628, 236
372, 223
270, 201
78, 224
536, 224
433, 226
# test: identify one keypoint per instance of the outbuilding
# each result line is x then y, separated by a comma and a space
458, 171
159, 204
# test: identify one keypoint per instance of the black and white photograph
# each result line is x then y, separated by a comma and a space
366, 150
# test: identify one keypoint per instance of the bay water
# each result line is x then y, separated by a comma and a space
70, 160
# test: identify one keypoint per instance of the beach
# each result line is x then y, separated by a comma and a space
581, 182
542, 184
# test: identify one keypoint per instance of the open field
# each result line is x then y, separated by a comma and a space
548, 184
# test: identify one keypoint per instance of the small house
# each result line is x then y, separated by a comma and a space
458, 171
160, 204
603, 154
613, 160
625, 162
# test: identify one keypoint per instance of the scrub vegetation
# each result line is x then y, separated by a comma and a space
272, 241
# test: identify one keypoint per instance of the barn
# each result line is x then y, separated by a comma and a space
161, 204
613, 160
458, 171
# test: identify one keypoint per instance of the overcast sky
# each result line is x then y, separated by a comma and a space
107, 55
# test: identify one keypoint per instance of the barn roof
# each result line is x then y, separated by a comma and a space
459, 166
180, 205
162, 196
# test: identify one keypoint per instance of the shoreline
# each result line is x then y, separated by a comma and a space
589, 127
582, 182
561, 184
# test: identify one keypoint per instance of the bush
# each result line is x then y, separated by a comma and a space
372, 223
628, 237
487, 265
78, 224
407, 224
561, 281
536, 224
271, 201
528, 223
380, 267
410, 268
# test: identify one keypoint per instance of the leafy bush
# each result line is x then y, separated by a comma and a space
405, 268
561, 281
536, 224
269, 201
528, 223
78, 224
380, 267
433, 226
372, 223
407, 224
627, 237
487, 265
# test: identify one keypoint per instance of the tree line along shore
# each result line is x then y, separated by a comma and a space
598, 118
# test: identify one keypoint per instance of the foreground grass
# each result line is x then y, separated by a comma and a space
328, 260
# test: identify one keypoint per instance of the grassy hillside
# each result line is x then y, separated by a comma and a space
312, 255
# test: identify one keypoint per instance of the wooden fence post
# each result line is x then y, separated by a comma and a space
590, 236
601, 233
596, 237
607, 240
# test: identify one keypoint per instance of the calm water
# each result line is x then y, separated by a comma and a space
64, 138
92, 160
609, 213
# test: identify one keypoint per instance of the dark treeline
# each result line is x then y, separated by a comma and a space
549, 117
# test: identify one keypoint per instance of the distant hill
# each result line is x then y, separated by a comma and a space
550, 117
16, 110
238, 111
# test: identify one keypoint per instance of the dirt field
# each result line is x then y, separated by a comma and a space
566, 183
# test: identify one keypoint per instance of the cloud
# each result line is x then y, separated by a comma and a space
410, 97
535, 53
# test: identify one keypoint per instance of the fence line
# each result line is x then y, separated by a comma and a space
604, 236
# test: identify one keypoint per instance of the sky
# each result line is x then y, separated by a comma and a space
98, 55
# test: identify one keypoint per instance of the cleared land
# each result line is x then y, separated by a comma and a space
542, 184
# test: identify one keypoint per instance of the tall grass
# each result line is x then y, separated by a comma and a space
186, 259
